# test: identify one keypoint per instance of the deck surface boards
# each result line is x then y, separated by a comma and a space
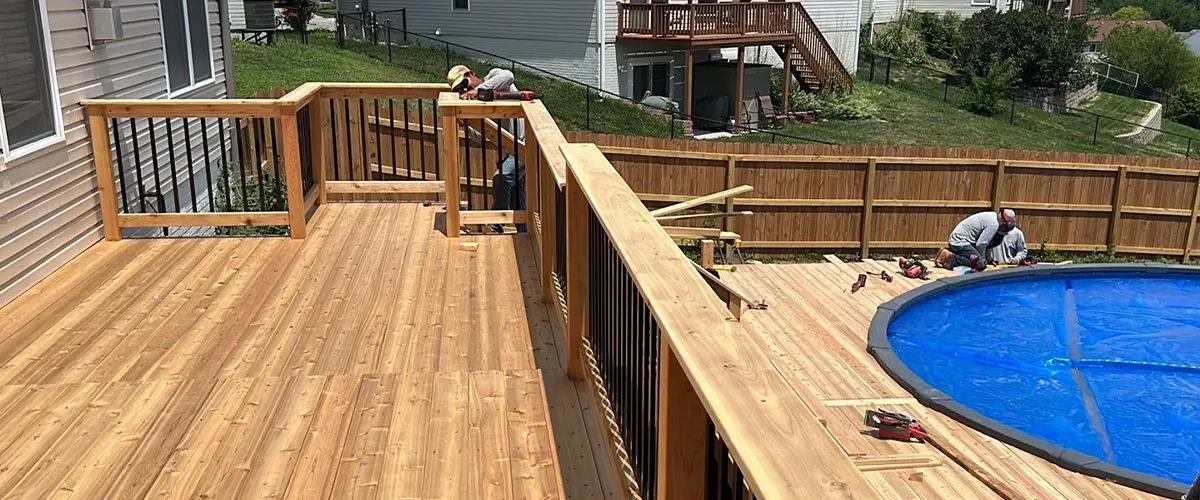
814, 331
375, 359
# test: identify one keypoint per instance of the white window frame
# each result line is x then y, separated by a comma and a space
457, 9
8, 154
983, 3
651, 61
187, 27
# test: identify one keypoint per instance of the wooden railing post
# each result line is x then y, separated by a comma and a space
291, 167
102, 155
450, 168
682, 424
317, 135
550, 236
533, 202
578, 293
868, 203
1114, 222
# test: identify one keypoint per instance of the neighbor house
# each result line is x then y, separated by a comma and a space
886, 11
633, 48
57, 53
1104, 28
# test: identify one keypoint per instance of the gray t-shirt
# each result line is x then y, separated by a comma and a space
503, 80
1011, 249
976, 231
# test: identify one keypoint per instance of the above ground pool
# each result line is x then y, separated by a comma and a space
1094, 367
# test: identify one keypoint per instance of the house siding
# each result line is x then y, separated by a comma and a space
49, 202
558, 36
886, 11
237, 15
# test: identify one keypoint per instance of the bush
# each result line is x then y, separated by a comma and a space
857, 105
987, 90
267, 194
1185, 108
1180, 15
1158, 55
900, 41
297, 13
1130, 13
1043, 47
940, 33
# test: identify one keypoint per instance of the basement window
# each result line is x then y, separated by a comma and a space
28, 88
187, 44
461, 4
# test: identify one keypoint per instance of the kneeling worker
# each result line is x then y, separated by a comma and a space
969, 240
1009, 249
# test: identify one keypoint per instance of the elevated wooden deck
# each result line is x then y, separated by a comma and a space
815, 334
376, 358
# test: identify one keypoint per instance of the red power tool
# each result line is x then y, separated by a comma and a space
862, 282
494, 95
897, 426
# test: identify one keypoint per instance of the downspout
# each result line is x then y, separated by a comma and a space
858, 35
601, 37
227, 49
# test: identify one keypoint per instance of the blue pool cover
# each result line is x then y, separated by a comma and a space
1104, 362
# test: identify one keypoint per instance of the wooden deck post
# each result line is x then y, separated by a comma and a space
1191, 230
741, 89
707, 257
682, 424
317, 135
533, 202
578, 294
687, 84
727, 223
1114, 222
291, 167
787, 81
450, 158
868, 202
550, 236
102, 155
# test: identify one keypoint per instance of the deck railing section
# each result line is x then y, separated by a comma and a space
667, 20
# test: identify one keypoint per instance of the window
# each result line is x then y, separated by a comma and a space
28, 89
462, 4
655, 78
187, 43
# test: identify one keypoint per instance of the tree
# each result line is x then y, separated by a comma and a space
1130, 13
1180, 15
1185, 108
1043, 47
1159, 56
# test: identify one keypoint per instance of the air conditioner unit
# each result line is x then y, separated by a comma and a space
104, 22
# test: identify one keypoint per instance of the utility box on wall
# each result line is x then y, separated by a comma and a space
103, 22
717, 80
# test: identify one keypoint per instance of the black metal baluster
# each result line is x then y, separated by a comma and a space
437, 144
349, 142
392, 119
116, 131
157, 178
337, 162
187, 143
407, 143
421, 127
378, 142
710, 461
171, 158
362, 127
212, 206
256, 126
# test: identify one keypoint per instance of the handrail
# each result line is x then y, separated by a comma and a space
542, 125
748, 401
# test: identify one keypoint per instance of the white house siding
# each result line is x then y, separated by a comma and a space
886, 11
559, 36
237, 15
49, 204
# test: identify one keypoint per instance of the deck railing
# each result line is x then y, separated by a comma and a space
692, 406
675, 20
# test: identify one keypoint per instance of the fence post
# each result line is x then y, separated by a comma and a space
946, 90
341, 28
872, 78
404, 24
102, 154
1188, 154
389, 38
1096, 131
887, 73
1012, 109
868, 201
672, 113
1114, 222
447, 57
450, 152
1191, 231
682, 425
578, 293
291, 166
587, 99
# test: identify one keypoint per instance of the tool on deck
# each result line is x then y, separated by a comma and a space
897, 426
914, 268
858, 285
497, 95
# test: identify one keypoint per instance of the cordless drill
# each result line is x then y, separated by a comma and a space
496, 95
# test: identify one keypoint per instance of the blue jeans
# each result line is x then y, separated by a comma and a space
508, 187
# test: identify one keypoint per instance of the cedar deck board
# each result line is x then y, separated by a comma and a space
255, 367
815, 334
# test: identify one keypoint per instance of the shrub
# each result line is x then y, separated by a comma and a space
900, 41
297, 13
1158, 55
267, 194
857, 105
1043, 47
799, 99
1130, 13
1185, 108
940, 33
987, 90
1180, 15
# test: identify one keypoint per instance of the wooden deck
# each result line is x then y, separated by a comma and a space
815, 332
374, 359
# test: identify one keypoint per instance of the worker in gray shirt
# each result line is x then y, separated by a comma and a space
508, 182
1008, 249
969, 240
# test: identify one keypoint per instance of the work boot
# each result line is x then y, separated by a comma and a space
943, 258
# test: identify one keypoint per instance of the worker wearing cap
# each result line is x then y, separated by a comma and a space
969, 240
508, 182
1008, 249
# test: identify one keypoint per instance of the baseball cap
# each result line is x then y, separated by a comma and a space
1008, 217
457, 75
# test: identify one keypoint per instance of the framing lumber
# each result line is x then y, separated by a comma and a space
704, 216
472, 217
700, 232
703, 200
394, 187
221, 219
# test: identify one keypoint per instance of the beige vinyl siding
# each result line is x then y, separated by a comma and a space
237, 15
49, 205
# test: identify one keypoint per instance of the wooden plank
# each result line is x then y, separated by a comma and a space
392, 187
998, 185
1191, 230
702, 200
893, 462
662, 153
578, 286
301, 96
487, 429
447, 470
682, 432
295, 182
1165, 212
471, 217
751, 406
362, 90
1114, 220
707, 260
531, 443
549, 137
205, 219
700, 232
704, 216
450, 159
468, 110
1056, 207
183, 108
869, 402
933, 203
102, 155
868, 200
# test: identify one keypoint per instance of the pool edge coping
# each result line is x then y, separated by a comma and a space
879, 346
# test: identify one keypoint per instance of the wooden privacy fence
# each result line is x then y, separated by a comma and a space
889, 202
